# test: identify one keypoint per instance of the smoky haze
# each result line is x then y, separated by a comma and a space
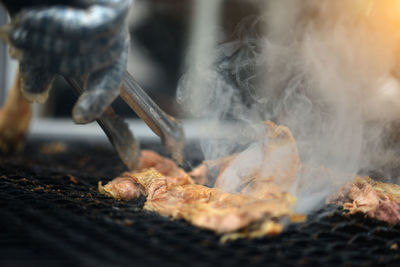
325, 69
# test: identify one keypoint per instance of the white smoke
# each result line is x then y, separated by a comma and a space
323, 68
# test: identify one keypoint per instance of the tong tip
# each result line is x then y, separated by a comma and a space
173, 140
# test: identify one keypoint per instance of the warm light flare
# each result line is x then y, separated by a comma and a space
370, 5
383, 10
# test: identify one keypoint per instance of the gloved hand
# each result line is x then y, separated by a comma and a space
89, 40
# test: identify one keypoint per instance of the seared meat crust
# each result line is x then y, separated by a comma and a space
374, 199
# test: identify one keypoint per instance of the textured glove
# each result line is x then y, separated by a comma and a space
88, 40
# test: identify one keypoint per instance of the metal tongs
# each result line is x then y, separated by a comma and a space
166, 127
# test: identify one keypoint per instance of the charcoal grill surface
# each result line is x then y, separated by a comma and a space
52, 214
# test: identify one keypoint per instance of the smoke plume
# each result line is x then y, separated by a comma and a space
325, 69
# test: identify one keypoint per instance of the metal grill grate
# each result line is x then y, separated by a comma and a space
49, 219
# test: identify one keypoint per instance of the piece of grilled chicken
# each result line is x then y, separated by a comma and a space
261, 206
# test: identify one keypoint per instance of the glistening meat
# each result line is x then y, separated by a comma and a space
256, 207
249, 198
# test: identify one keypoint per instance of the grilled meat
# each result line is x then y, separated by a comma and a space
121, 188
211, 208
256, 208
374, 199
150, 159
128, 189
275, 172
209, 170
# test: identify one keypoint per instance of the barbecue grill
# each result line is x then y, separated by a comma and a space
52, 214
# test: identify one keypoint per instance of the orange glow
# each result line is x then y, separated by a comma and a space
385, 10
369, 7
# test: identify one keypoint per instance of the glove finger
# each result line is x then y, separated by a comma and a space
35, 83
102, 88
107, 16
76, 65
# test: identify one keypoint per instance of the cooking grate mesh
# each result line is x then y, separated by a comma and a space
51, 214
